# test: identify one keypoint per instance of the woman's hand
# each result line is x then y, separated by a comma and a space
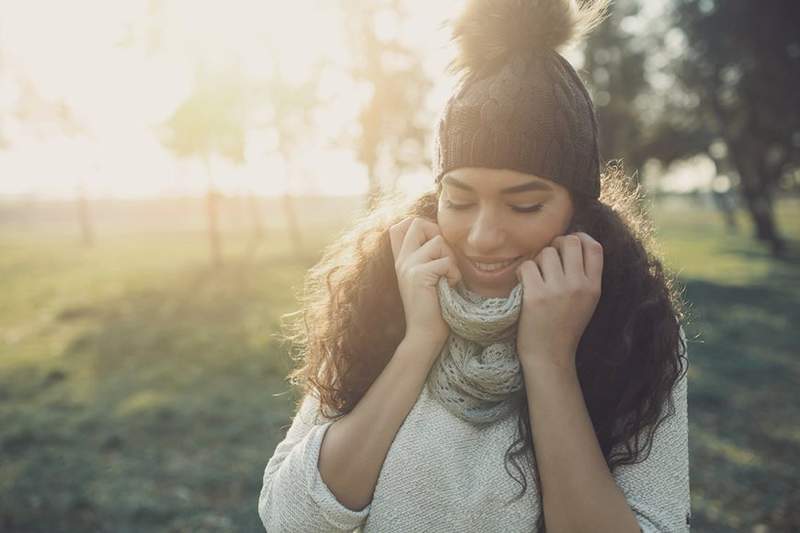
421, 258
561, 288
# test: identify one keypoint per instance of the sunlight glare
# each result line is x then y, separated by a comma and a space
123, 68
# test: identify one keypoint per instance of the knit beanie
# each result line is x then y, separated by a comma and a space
519, 105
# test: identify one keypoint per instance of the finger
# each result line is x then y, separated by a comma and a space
434, 249
529, 275
397, 233
550, 265
592, 256
571, 250
444, 266
420, 231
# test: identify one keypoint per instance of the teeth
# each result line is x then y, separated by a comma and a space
490, 267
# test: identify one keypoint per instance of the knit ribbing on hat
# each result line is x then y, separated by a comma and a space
532, 115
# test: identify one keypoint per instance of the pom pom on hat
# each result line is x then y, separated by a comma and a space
519, 104
488, 31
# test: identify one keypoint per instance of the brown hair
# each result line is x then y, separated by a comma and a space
628, 359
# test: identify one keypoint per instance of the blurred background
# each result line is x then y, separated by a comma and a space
169, 170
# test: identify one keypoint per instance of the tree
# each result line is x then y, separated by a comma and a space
211, 122
614, 60
290, 107
634, 99
53, 119
742, 59
389, 120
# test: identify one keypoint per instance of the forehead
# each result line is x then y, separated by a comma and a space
491, 180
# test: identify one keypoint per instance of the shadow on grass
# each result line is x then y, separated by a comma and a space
743, 406
159, 415
744, 250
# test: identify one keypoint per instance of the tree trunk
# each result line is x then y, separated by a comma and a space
257, 233
293, 227
212, 216
85, 219
762, 213
757, 194
212, 210
255, 217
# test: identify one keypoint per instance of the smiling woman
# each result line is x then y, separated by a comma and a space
510, 325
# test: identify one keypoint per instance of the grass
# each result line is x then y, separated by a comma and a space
744, 410
142, 391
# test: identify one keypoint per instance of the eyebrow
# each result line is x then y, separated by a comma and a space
538, 185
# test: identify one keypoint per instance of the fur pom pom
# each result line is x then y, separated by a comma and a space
488, 31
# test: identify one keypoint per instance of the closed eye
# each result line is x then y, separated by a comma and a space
529, 209
451, 205
518, 209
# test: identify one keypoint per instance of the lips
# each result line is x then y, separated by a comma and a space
491, 267
494, 276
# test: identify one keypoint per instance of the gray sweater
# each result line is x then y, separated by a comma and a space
446, 475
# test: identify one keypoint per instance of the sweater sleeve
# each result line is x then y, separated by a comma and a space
293, 497
657, 489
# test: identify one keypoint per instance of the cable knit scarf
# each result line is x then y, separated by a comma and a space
478, 376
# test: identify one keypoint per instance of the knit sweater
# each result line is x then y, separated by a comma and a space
444, 474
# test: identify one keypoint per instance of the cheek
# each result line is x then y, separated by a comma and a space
534, 236
452, 229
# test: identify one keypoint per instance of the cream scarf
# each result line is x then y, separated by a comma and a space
478, 376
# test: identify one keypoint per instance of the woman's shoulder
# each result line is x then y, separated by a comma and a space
310, 410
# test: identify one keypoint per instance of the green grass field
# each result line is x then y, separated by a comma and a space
142, 391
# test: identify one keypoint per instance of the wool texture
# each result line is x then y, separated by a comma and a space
533, 115
478, 376
444, 474
520, 105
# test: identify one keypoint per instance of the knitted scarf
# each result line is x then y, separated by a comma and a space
478, 376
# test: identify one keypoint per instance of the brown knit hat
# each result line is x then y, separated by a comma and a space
519, 104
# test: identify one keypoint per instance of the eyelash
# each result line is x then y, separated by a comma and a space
532, 209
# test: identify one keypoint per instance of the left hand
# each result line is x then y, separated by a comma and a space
561, 288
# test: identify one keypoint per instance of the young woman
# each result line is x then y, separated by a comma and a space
505, 353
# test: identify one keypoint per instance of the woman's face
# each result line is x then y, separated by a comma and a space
495, 216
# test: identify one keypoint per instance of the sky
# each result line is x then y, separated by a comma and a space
96, 56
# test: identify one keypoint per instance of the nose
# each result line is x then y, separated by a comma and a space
486, 233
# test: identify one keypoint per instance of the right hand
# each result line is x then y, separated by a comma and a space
421, 257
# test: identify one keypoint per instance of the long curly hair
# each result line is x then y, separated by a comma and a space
629, 358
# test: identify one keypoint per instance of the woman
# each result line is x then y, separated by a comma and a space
510, 326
